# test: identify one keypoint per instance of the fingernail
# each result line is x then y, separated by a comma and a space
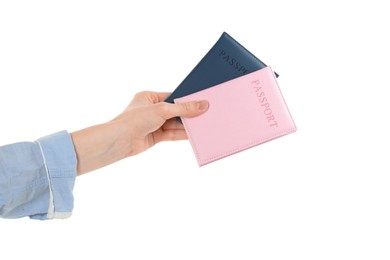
202, 105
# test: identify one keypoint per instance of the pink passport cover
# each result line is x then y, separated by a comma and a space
243, 112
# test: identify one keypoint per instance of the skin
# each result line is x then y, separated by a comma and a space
146, 121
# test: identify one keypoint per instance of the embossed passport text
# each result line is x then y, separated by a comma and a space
243, 112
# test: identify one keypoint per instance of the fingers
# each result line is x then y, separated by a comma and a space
187, 109
170, 135
172, 124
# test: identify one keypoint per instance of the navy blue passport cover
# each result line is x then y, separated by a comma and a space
226, 60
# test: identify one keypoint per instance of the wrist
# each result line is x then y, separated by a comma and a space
99, 145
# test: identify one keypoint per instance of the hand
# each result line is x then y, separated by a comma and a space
146, 121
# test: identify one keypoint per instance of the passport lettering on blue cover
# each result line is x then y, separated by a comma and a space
225, 61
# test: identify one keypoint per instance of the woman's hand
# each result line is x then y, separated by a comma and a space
146, 121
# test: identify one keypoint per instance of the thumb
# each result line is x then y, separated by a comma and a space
186, 109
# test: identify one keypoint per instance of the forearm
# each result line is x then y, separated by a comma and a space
146, 121
98, 146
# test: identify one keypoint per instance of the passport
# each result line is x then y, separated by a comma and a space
243, 112
226, 60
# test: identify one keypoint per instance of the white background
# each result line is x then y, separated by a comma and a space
320, 193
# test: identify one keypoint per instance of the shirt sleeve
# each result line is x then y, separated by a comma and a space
37, 178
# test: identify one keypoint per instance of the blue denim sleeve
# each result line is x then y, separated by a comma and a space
37, 178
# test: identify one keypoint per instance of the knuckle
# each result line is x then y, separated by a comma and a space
143, 93
163, 108
187, 107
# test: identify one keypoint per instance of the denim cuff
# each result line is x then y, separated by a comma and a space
60, 162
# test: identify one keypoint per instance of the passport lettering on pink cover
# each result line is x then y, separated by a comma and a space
243, 112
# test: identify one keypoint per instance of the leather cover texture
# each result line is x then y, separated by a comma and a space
243, 112
226, 60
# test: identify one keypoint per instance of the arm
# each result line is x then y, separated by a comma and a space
37, 178
145, 122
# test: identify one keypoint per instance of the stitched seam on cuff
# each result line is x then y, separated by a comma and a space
50, 211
